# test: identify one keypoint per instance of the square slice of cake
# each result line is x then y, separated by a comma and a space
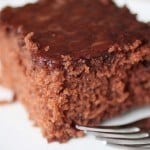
74, 62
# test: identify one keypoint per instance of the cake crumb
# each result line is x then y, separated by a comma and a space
47, 48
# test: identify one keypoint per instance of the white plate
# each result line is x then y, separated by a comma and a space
16, 131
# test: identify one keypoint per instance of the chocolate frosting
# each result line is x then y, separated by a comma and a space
78, 28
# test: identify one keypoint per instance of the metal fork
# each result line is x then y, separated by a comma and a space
132, 136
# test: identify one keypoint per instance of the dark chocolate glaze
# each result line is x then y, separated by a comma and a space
78, 28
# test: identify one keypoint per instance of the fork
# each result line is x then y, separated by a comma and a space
132, 136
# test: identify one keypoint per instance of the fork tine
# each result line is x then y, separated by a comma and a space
109, 130
132, 136
127, 147
120, 136
128, 142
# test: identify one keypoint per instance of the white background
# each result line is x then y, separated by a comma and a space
16, 131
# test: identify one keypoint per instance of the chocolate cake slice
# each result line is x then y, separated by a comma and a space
74, 62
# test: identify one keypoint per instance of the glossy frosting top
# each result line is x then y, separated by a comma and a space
79, 28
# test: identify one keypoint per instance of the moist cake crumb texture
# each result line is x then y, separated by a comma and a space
74, 62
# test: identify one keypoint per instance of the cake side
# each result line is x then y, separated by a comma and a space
35, 87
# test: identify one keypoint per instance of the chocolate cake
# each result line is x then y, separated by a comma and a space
74, 62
